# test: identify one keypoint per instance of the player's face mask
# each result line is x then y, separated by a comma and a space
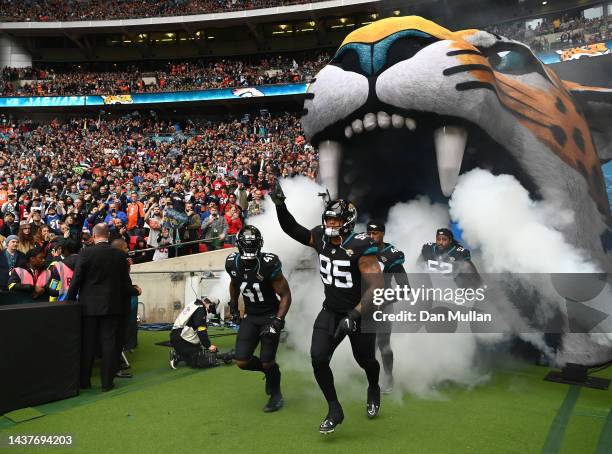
333, 226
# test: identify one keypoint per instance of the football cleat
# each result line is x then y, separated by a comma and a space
174, 359
334, 417
275, 403
373, 404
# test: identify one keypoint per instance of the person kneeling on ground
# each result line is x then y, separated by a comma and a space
189, 337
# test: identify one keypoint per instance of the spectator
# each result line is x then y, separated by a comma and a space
115, 213
26, 239
214, 230
154, 219
139, 255
191, 230
10, 258
135, 214
163, 242
256, 205
10, 226
242, 196
32, 279
234, 224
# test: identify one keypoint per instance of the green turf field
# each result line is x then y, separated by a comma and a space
219, 410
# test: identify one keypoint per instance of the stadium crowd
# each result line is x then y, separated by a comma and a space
155, 182
556, 33
173, 76
70, 10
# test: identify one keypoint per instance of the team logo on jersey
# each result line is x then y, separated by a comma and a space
384, 259
260, 277
452, 259
233, 273
349, 252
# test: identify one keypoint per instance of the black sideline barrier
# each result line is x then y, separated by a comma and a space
40, 346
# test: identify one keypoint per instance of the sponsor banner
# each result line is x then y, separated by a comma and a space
42, 101
156, 98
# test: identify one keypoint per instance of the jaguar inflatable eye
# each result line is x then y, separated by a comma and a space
348, 59
508, 58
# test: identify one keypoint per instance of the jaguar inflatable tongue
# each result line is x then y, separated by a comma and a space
405, 106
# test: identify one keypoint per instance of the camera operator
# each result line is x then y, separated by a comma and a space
189, 337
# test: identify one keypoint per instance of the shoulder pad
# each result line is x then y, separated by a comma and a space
361, 244
463, 252
271, 264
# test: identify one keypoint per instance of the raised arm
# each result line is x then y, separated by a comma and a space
286, 220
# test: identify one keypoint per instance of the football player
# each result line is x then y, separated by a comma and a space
344, 257
392, 264
446, 255
259, 278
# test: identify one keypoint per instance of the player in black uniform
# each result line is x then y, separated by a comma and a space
391, 263
259, 277
344, 257
446, 255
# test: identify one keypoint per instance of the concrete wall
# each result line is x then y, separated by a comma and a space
167, 284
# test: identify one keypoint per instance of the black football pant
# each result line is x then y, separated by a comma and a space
249, 336
383, 342
324, 344
103, 330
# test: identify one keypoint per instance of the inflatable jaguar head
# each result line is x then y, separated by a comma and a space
405, 106
410, 103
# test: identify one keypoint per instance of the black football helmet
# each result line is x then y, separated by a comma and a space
249, 244
343, 210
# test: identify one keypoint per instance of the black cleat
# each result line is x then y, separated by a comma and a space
334, 417
174, 359
373, 404
275, 403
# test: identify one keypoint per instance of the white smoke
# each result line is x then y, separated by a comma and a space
515, 234
512, 232
498, 219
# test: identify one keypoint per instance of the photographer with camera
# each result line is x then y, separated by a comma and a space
189, 337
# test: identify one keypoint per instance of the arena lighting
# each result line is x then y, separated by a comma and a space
544, 3
373, 15
342, 20
397, 12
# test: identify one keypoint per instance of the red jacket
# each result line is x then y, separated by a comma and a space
233, 225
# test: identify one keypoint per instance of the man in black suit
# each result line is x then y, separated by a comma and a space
102, 282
